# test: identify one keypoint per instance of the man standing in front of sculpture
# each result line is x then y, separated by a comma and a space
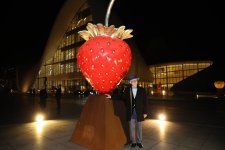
136, 109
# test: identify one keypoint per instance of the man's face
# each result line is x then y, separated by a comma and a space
134, 82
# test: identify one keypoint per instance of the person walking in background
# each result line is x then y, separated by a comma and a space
33, 92
136, 109
43, 98
58, 95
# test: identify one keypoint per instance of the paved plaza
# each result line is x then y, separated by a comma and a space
55, 132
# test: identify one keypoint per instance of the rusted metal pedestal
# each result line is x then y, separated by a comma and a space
102, 124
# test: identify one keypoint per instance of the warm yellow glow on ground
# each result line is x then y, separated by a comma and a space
39, 127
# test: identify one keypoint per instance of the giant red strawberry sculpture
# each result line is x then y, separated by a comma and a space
104, 59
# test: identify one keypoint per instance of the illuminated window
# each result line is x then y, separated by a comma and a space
167, 75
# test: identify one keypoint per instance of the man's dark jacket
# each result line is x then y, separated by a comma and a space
140, 102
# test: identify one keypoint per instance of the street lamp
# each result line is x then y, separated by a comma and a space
219, 86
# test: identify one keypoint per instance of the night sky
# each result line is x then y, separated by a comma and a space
164, 31
177, 30
25, 27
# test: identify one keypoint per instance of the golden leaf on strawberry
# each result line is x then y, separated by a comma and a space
101, 30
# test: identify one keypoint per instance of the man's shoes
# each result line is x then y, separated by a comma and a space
140, 145
133, 145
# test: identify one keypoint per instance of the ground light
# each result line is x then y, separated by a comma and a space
162, 124
40, 121
39, 117
162, 117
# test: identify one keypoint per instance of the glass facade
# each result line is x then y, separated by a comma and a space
166, 75
62, 67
